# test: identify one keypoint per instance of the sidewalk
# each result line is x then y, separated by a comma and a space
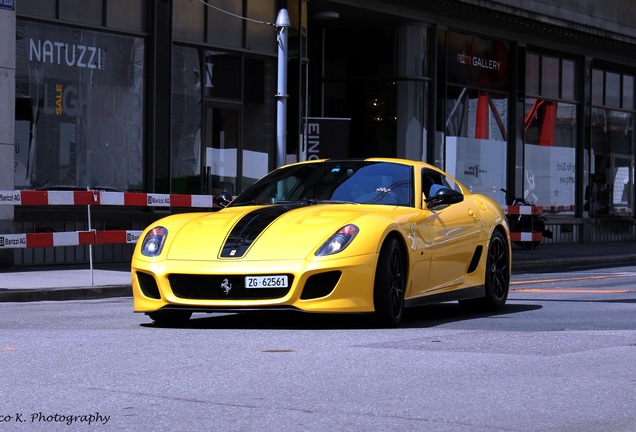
114, 280
70, 282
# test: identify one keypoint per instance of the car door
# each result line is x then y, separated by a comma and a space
453, 234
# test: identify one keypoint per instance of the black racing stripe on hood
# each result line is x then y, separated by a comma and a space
249, 227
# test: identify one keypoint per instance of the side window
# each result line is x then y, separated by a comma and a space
432, 181
451, 184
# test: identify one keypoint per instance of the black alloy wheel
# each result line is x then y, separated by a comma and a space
497, 276
497, 272
390, 282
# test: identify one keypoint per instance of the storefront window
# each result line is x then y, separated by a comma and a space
358, 84
613, 90
412, 92
259, 117
223, 76
36, 8
222, 149
476, 141
532, 73
80, 109
127, 14
188, 18
598, 84
570, 80
550, 134
186, 121
610, 188
550, 155
260, 36
476, 125
84, 11
223, 29
628, 92
550, 77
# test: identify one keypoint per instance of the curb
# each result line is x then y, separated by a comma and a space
547, 264
59, 294
525, 264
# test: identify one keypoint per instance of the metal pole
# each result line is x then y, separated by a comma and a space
90, 246
282, 25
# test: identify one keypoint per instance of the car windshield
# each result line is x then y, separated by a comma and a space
361, 182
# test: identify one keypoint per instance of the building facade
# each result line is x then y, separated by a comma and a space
179, 96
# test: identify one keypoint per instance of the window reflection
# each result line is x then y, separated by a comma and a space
610, 190
186, 121
223, 29
79, 123
610, 187
612, 90
550, 77
628, 92
550, 160
187, 20
550, 134
84, 11
532, 74
476, 129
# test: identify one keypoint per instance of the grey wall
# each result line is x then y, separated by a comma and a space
7, 121
615, 19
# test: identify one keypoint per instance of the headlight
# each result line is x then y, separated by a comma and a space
339, 241
153, 242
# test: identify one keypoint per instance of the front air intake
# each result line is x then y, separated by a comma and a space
215, 287
320, 285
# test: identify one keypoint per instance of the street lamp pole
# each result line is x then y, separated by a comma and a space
282, 26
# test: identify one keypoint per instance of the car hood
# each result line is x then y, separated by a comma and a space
261, 233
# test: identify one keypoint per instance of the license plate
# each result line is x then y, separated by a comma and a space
275, 281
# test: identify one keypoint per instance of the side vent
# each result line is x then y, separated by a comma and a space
148, 285
475, 261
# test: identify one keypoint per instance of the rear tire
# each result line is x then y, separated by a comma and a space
169, 317
390, 282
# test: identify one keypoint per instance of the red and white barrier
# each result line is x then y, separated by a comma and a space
524, 210
89, 198
92, 197
526, 236
73, 238
520, 210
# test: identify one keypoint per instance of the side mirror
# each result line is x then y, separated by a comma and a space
444, 196
223, 199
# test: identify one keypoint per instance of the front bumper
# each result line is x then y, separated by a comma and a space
333, 285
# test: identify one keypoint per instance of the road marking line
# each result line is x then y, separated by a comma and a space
593, 291
571, 279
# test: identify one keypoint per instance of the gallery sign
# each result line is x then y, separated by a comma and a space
478, 62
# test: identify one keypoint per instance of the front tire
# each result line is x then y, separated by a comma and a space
497, 276
169, 317
390, 282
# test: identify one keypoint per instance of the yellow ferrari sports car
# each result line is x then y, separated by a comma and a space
331, 236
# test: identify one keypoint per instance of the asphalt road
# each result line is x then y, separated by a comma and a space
560, 357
